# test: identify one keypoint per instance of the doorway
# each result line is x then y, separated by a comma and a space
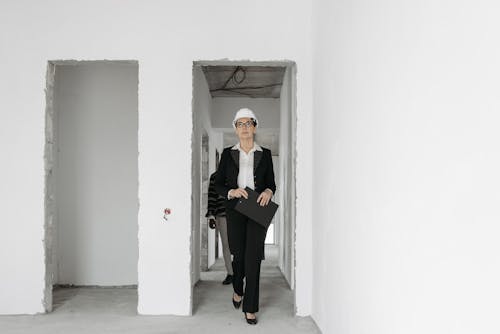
91, 175
268, 88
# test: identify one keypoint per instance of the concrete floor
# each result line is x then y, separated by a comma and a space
114, 310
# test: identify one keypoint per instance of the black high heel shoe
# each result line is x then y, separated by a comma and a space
251, 321
235, 303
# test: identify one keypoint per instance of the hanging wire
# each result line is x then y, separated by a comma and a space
243, 75
231, 77
238, 76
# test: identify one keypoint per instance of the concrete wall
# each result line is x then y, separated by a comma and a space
164, 38
406, 181
202, 104
97, 204
287, 178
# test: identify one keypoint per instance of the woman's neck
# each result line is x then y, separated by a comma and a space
246, 144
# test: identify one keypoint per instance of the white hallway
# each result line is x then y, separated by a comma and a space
397, 150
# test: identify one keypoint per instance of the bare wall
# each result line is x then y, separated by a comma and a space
287, 180
406, 178
97, 204
165, 38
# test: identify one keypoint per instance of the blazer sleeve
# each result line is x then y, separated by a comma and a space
212, 197
220, 181
271, 184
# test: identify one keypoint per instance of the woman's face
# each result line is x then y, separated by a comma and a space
245, 128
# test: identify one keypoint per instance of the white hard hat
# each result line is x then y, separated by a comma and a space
244, 112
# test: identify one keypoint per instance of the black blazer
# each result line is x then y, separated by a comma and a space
215, 207
227, 174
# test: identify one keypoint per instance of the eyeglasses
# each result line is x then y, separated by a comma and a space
246, 124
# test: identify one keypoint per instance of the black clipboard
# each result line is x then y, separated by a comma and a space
250, 208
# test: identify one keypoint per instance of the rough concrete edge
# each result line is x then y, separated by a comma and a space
138, 187
191, 236
294, 151
74, 62
244, 62
48, 161
301, 202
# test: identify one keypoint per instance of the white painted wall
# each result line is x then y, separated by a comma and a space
406, 181
165, 38
96, 176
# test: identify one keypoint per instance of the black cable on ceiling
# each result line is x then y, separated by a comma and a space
231, 77
238, 81
243, 88
239, 69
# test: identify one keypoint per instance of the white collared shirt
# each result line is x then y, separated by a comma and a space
245, 174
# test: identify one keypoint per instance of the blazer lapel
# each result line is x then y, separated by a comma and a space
257, 156
236, 157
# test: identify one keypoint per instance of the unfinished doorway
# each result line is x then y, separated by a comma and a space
268, 88
91, 165
205, 240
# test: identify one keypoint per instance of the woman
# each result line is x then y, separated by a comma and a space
246, 164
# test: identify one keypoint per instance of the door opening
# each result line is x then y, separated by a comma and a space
91, 175
220, 88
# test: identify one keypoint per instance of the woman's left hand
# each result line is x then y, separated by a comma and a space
265, 197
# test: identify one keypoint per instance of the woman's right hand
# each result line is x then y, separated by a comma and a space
237, 193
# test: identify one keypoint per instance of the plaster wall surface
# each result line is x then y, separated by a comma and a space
165, 38
202, 105
96, 117
406, 178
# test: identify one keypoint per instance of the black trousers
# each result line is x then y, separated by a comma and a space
246, 242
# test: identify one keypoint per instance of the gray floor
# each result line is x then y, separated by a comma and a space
113, 310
